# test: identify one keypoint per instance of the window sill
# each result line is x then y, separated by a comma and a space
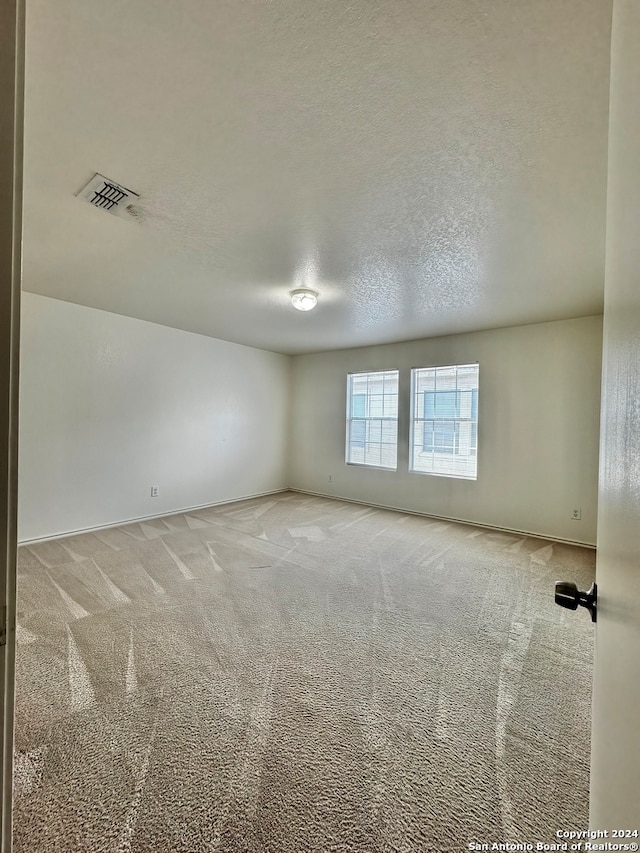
375, 467
441, 474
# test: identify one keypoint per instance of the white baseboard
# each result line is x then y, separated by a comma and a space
148, 517
589, 545
188, 509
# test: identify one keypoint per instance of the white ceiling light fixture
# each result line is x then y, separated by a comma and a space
304, 299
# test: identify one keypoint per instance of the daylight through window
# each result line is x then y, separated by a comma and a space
444, 420
372, 419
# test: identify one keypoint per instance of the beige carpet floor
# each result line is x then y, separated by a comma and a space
293, 674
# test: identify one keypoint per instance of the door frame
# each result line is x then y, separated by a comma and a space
12, 40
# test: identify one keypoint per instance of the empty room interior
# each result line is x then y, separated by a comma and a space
310, 394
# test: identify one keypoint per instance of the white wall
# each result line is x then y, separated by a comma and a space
110, 405
538, 428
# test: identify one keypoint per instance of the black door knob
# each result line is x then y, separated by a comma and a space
568, 595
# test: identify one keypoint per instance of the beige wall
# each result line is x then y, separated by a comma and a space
538, 428
110, 406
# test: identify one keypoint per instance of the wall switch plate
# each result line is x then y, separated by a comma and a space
576, 514
154, 491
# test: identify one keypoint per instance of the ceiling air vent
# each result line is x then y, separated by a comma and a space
109, 196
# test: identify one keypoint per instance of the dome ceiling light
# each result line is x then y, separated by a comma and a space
304, 299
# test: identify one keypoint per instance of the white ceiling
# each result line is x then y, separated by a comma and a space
429, 166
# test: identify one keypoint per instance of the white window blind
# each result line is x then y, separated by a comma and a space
444, 420
372, 419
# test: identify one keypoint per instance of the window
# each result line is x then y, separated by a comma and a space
444, 420
372, 419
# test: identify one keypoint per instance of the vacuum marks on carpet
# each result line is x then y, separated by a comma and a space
293, 674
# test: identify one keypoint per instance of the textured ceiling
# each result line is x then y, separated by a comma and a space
429, 166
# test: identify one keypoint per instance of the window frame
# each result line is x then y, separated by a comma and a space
364, 420
455, 421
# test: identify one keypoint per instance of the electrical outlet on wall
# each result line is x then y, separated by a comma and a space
154, 491
576, 513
